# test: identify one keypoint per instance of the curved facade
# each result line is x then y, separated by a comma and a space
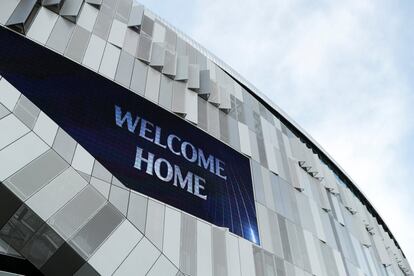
128, 149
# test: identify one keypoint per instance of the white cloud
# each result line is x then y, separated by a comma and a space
335, 68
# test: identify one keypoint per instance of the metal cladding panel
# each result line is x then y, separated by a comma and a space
22, 15
94, 2
71, 9
22, 12
135, 17
51, 2
179, 165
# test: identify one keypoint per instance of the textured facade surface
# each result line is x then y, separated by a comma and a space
62, 212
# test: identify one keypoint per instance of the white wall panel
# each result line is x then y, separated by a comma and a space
115, 249
110, 61
170, 64
158, 33
323, 195
313, 255
212, 67
157, 56
237, 91
8, 94
163, 267
141, 259
339, 263
144, 48
82, 160
213, 121
246, 258
154, 229
360, 255
268, 192
124, 71
102, 186
3, 111
225, 101
11, 129
139, 77
131, 42
264, 227
117, 33
18, 154
94, 52
287, 145
191, 106
7, 8
42, 25
87, 17
244, 139
152, 88
135, 17
233, 260
296, 175
194, 76
178, 98
182, 68
316, 212
337, 209
271, 157
172, 226
204, 249
45, 128
214, 91
119, 197
382, 252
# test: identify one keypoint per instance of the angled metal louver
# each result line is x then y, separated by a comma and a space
135, 17
194, 77
205, 84
157, 56
53, 5
182, 68
214, 96
96, 3
51, 2
170, 64
144, 48
70, 9
225, 102
23, 15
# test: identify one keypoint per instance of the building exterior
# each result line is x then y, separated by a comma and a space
128, 149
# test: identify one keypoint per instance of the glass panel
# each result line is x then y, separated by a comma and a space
96, 230
77, 212
42, 246
21, 227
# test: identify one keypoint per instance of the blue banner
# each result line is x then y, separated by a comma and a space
149, 149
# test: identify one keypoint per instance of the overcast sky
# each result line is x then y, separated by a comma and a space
342, 69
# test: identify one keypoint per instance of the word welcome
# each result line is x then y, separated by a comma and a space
162, 168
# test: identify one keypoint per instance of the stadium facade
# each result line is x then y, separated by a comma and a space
126, 148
